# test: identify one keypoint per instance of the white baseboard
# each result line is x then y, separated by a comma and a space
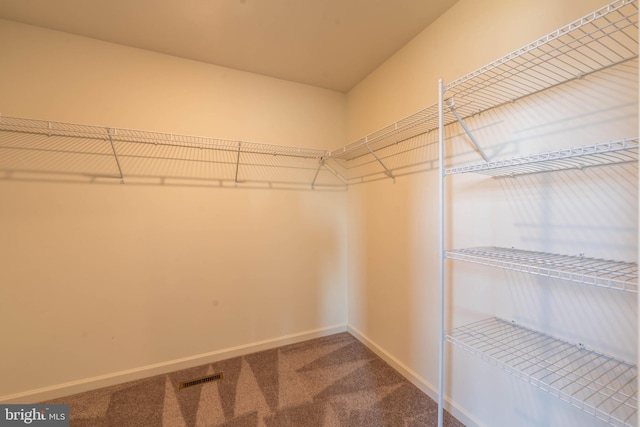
92, 383
429, 389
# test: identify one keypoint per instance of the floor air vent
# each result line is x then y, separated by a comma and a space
200, 381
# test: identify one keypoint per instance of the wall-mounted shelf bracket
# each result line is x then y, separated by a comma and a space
387, 171
315, 177
451, 104
115, 154
237, 163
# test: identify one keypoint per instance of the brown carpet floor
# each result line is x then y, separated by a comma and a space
329, 381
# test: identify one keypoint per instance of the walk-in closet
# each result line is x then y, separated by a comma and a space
444, 233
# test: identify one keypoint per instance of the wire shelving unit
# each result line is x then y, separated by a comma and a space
59, 148
596, 383
588, 271
593, 382
381, 154
30, 146
51, 128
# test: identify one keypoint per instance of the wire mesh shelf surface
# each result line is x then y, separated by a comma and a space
603, 38
411, 126
617, 275
598, 384
606, 37
606, 153
51, 128
35, 149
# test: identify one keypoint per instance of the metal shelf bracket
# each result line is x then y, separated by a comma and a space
315, 177
387, 171
115, 155
237, 163
451, 105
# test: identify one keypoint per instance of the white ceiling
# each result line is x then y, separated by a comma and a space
332, 44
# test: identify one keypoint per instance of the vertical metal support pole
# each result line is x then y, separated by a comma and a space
442, 286
115, 154
237, 162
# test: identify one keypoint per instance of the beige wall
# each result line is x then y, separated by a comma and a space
98, 279
58, 76
393, 259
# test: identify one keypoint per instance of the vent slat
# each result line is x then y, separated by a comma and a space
199, 381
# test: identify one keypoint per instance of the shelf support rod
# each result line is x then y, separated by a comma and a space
451, 106
387, 171
442, 253
320, 163
115, 154
237, 162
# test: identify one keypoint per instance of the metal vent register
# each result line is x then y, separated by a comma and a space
200, 381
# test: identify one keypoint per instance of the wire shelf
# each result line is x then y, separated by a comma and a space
617, 275
409, 127
51, 128
598, 384
606, 37
37, 149
601, 39
606, 153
